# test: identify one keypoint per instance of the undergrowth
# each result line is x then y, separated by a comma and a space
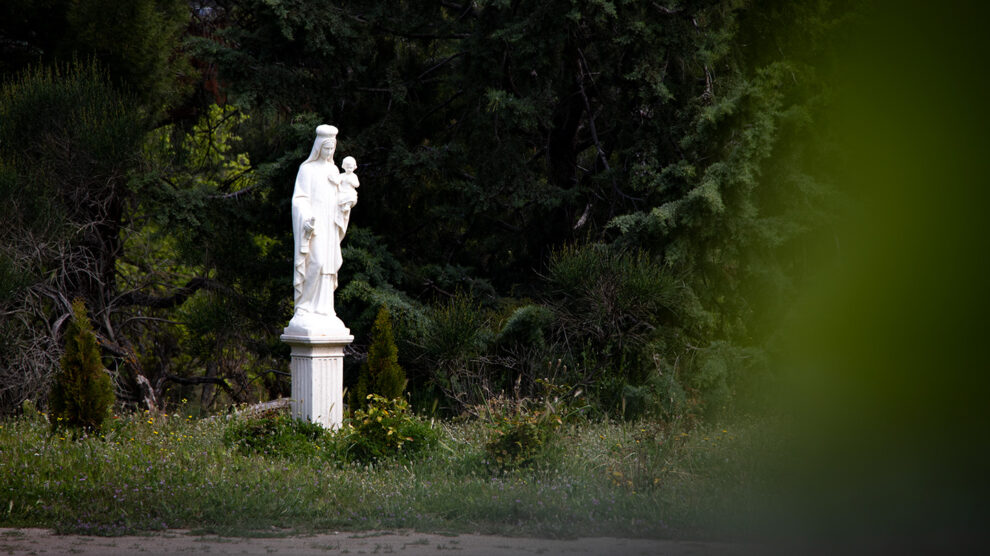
151, 472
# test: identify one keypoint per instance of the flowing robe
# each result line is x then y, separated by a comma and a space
316, 254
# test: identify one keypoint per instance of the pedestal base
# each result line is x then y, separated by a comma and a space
318, 377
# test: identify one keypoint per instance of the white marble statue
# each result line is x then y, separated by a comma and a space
321, 208
348, 192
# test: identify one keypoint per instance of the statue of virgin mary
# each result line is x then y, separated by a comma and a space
316, 215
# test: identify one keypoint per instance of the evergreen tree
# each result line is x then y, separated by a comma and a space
381, 373
82, 394
490, 134
497, 133
137, 41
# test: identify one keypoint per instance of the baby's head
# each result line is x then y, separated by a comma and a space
349, 164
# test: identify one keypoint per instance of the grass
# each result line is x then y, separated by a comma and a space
152, 472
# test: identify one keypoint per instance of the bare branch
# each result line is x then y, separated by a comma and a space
178, 298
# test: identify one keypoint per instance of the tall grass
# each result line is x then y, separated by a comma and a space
151, 472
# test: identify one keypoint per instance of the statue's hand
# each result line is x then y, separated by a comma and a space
309, 225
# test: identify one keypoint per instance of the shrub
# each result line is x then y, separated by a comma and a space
518, 440
455, 339
527, 326
82, 395
521, 430
381, 373
278, 435
625, 310
386, 429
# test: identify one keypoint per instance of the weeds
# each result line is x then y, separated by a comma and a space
150, 472
385, 429
278, 435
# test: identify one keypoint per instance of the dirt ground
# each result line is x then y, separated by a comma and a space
42, 541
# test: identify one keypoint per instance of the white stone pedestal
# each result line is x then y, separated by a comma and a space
318, 377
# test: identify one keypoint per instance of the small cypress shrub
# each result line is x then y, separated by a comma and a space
381, 373
82, 395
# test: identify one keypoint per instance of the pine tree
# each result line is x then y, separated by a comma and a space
381, 373
82, 394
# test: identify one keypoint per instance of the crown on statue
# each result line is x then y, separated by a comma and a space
326, 131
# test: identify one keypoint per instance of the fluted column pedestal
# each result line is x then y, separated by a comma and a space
318, 377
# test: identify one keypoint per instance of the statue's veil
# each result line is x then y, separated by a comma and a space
323, 134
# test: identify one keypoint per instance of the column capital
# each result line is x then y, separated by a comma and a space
312, 340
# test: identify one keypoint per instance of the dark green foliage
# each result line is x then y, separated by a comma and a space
527, 326
137, 41
11, 279
654, 159
357, 395
456, 336
381, 373
82, 394
494, 135
68, 143
385, 429
629, 314
278, 435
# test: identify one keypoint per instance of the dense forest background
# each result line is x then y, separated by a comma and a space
609, 199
